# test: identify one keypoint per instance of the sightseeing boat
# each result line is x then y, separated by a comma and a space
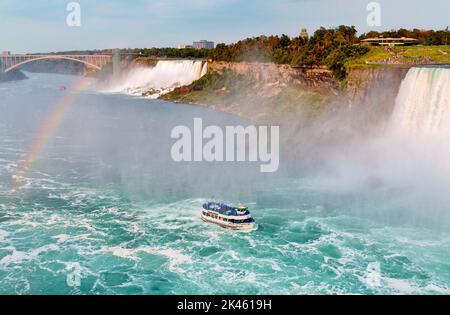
227, 216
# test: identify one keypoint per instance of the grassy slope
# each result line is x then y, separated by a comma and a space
436, 53
404, 55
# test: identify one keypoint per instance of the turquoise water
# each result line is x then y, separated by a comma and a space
103, 210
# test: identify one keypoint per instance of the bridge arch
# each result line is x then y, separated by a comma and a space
55, 57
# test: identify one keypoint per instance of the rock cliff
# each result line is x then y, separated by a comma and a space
319, 79
375, 86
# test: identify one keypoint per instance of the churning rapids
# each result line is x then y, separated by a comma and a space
102, 209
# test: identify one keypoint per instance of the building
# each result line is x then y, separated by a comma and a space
184, 46
203, 44
304, 34
6, 53
388, 41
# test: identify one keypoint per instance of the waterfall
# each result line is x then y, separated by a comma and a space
162, 78
423, 103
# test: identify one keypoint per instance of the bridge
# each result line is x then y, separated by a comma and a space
10, 62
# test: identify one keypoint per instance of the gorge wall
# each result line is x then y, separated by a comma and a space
318, 80
371, 90
375, 86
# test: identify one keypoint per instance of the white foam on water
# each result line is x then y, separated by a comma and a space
17, 257
74, 276
372, 277
175, 256
61, 238
3, 235
65, 238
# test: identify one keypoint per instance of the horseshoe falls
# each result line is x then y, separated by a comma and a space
103, 209
423, 103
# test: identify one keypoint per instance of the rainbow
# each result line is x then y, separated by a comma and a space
45, 133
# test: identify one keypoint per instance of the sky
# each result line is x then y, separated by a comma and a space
40, 26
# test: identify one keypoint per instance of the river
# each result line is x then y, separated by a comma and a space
99, 207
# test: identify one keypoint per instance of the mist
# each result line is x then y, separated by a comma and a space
397, 156
401, 160
124, 143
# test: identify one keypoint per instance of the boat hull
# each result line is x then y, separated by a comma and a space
229, 225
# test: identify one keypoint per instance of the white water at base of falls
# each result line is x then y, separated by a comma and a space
160, 79
423, 103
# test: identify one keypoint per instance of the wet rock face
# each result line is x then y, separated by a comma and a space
320, 80
14, 75
377, 86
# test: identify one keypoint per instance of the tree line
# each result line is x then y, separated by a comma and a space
326, 47
424, 37
331, 47
168, 52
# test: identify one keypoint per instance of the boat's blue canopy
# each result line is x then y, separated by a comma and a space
223, 208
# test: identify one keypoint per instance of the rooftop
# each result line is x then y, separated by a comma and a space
380, 39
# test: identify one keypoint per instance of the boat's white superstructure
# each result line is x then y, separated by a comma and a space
227, 216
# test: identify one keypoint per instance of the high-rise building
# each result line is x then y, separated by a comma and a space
203, 44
